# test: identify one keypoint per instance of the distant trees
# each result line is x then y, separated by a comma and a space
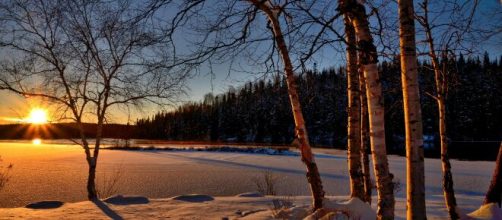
325, 110
88, 58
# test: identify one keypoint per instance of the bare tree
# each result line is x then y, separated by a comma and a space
445, 39
354, 114
415, 176
88, 58
368, 58
313, 176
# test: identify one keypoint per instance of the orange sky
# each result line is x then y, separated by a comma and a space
15, 108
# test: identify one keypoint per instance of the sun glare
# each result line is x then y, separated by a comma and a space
37, 116
36, 141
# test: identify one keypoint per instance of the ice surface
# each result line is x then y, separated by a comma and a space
59, 172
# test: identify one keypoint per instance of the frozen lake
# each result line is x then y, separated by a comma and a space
59, 172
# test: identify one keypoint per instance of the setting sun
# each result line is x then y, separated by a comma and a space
36, 141
37, 116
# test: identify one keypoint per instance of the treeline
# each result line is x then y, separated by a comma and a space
260, 112
63, 131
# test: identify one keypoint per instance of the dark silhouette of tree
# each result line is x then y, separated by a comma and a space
87, 58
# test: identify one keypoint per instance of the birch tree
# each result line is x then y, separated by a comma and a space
301, 135
87, 58
415, 176
365, 139
354, 114
442, 43
368, 58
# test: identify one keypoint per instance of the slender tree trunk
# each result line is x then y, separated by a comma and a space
368, 58
353, 124
494, 193
448, 191
415, 178
365, 139
440, 81
313, 176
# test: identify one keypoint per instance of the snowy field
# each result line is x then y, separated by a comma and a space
58, 172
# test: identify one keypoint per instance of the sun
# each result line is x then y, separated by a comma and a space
37, 116
36, 141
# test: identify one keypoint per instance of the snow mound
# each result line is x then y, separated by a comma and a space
489, 211
193, 198
250, 194
126, 200
354, 208
45, 205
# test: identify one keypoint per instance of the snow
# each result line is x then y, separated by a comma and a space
58, 172
488, 211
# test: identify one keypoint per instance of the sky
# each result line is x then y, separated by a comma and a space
14, 107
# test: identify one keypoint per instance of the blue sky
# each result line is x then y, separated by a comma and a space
13, 106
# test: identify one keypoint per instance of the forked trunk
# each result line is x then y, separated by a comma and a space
353, 124
368, 58
313, 176
415, 178
365, 139
494, 193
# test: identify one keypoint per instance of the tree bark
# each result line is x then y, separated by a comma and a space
365, 139
368, 58
353, 124
440, 81
415, 178
313, 176
494, 193
91, 183
448, 190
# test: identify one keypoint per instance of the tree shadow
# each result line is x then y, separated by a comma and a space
105, 209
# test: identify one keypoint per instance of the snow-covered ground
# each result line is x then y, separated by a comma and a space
58, 172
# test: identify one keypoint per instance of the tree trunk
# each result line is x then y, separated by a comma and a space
353, 124
365, 139
313, 176
91, 183
448, 191
494, 193
440, 81
91, 162
368, 58
415, 178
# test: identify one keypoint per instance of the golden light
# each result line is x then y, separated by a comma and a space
37, 116
36, 141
